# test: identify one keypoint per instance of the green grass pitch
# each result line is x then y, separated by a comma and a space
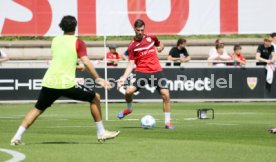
66, 133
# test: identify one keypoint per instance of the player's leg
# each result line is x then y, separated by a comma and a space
166, 108
95, 108
129, 98
162, 86
132, 80
83, 93
46, 98
29, 119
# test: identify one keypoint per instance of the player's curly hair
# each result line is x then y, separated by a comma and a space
68, 23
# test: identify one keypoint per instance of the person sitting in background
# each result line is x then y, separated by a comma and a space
112, 56
179, 54
3, 56
219, 55
237, 56
214, 50
265, 53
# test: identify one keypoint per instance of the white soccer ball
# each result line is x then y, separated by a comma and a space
148, 122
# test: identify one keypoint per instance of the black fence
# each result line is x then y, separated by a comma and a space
184, 83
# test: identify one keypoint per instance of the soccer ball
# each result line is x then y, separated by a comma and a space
148, 122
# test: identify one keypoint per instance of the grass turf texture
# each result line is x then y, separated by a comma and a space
65, 133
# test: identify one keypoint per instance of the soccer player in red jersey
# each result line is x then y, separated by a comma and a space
143, 52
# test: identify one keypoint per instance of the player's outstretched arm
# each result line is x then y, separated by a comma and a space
128, 70
92, 71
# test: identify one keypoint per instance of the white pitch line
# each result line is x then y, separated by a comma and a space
45, 119
127, 120
190, 118
5, 117
9, 120
16, 156
223, 124
237, 113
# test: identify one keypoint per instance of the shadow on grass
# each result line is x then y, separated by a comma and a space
58, 142
128, 127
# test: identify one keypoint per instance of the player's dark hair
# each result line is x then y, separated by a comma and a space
237, 46
273, 35
139, 23
68, 23
180, 41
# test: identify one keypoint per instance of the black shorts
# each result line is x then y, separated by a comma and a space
156, 79
48, 96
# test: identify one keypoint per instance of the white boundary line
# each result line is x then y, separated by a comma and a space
16, 156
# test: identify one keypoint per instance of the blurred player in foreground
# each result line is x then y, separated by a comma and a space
59, 80
143, 52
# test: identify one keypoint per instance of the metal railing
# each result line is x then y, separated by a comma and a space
123, 64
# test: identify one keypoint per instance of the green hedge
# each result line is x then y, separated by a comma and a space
163, 37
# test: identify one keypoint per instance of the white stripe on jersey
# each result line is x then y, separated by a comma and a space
144, 48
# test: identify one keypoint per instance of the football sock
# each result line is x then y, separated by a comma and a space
129, 106
18, 135
167, 117
100, 128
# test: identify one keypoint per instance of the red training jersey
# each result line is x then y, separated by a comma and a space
240, 56
110, 55
81, 48
144, 54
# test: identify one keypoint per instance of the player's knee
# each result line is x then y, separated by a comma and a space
166, 98
129, 92
97, 98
